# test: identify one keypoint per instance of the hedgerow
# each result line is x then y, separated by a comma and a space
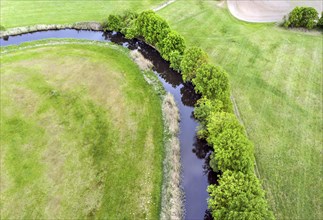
239, 194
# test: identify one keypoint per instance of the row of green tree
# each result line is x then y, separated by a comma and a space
239, 194
305, 17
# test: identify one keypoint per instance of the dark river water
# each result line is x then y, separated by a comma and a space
194, 152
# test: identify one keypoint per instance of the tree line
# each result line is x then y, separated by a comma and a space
239, 194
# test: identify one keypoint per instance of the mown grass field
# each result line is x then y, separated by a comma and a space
31, 12
276, 81
81, 134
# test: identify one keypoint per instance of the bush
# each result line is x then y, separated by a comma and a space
113, 23
129, 28
193, 58
238, 196
213, 83
170, 44
124, 23
306, 17
152, 27
232, 149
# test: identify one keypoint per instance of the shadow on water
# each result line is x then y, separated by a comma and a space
195, 153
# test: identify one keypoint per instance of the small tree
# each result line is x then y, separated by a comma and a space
193, 58
232, 149
306, 17
213, 83
152, 27
129, 28
238, 197
171, 43
113, 23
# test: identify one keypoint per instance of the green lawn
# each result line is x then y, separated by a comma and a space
15, 13
276, 80
81, 134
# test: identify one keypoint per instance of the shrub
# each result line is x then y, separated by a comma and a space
2, 28
238, 196
232, 149
113, 23
129, 28
213, 83
124, 23
152, 27
193, 58
306, 17
171, 43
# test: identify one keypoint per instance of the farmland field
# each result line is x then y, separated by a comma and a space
81, 134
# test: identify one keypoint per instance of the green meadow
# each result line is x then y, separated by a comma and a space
81, 134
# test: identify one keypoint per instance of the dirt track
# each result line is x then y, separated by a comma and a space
267, 10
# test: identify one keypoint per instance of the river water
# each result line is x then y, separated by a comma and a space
197, 175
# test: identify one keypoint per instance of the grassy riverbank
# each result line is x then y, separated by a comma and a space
276, 81
81, 134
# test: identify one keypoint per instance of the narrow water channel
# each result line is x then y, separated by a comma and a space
194, 153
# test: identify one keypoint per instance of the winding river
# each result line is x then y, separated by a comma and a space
194, 152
